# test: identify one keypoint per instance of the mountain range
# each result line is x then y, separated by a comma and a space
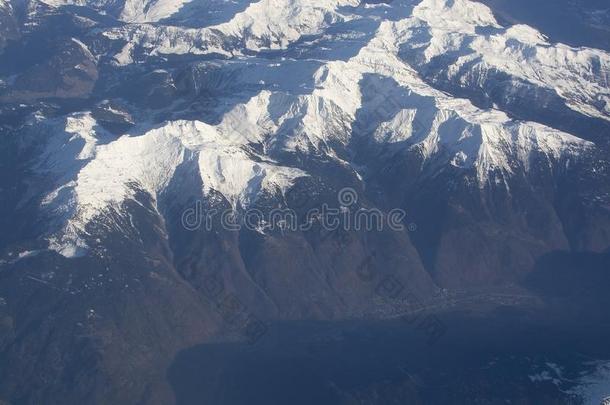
118, 116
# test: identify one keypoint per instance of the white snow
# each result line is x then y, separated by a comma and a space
4, 4
117, 170
266, 24
594, 387
138, 11
123, 58
320, 104
435, 28
151, 10
579, 75
84, 48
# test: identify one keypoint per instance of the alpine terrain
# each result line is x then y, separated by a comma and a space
124, 124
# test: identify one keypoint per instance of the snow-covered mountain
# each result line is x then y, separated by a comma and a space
8, 25
130, 11
117, 116
315, 96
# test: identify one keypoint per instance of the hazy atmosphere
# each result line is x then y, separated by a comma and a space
316, 202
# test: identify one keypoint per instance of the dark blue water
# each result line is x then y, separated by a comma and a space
480, 360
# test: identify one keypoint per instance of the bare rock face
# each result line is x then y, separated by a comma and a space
70, 72
97, 324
